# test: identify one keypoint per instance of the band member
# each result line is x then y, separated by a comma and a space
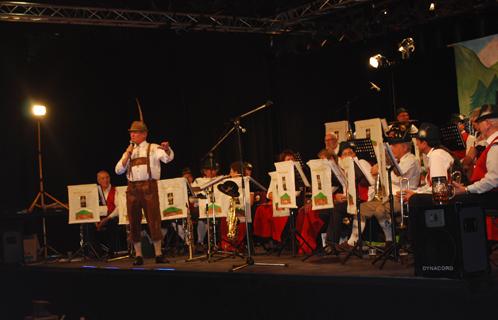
209, 170
400, 145
438, 162
334, 229
459, 121
142, 164
484, 187
107, 194
476, 143
287, 155
403, 121
332, 143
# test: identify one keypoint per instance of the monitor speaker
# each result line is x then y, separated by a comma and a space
449, 241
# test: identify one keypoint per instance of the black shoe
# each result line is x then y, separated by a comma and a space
331, 250
138, 261
161, 259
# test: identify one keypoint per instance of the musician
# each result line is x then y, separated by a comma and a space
459, 121
484, 187
476, 143
108, 232
287, 155
142, 164
403, 120
401, 146
331, 143
334, 229
438, 161
209, 170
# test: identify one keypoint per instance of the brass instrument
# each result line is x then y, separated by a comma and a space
379, 189
232, 221
404, 186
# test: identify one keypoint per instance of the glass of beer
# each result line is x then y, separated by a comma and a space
442, 192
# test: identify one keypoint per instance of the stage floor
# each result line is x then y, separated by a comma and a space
320, 287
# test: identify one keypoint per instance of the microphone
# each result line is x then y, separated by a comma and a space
374, 87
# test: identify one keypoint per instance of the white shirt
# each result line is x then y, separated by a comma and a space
410, 167
490, 180
139, 173
439, 162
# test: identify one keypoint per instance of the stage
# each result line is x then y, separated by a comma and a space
320, 287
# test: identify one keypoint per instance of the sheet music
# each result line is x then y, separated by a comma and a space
301, 173
391, 160
366, 173
338, 173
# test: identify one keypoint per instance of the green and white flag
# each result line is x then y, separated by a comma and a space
477, 72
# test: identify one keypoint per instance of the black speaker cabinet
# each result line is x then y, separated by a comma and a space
449, 241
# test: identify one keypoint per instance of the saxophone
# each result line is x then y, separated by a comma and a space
232, 221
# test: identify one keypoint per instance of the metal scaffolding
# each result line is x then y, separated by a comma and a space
281, 23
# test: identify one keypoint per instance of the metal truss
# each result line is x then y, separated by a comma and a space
343, 16
46, 13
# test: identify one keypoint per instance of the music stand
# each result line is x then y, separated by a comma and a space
302, 182
212, 249
451, 138
393, 251
364, 150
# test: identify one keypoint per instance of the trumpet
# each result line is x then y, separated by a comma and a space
404, 185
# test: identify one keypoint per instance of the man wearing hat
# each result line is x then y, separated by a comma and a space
142, 164
209, 169
400, 144
485, 174
403, 121
438, 161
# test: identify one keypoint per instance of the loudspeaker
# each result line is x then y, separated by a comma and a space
449, 240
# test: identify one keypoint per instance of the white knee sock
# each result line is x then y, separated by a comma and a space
138, 249
354, 233
385, 224
157, 248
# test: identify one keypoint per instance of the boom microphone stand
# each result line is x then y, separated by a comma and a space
238, 128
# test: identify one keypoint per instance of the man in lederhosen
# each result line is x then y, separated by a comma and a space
142, 164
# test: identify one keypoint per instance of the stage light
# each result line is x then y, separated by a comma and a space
39, 110
432, 6
406, 47
378, 61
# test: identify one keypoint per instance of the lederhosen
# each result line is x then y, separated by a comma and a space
143, 195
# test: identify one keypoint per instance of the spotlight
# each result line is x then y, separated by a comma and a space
432, 6
378, 61
406, 47
39, 110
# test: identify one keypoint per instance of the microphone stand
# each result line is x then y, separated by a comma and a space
237, 127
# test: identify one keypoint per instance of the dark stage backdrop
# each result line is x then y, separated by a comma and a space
190, 85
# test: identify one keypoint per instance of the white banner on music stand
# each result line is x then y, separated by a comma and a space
278, 211
83, 203
339, 128
347, 164
372, 128
173, 198
239, 206
214, 204
121, 205
321, 184
286, 184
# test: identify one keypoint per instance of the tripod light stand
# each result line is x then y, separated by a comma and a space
39, 112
